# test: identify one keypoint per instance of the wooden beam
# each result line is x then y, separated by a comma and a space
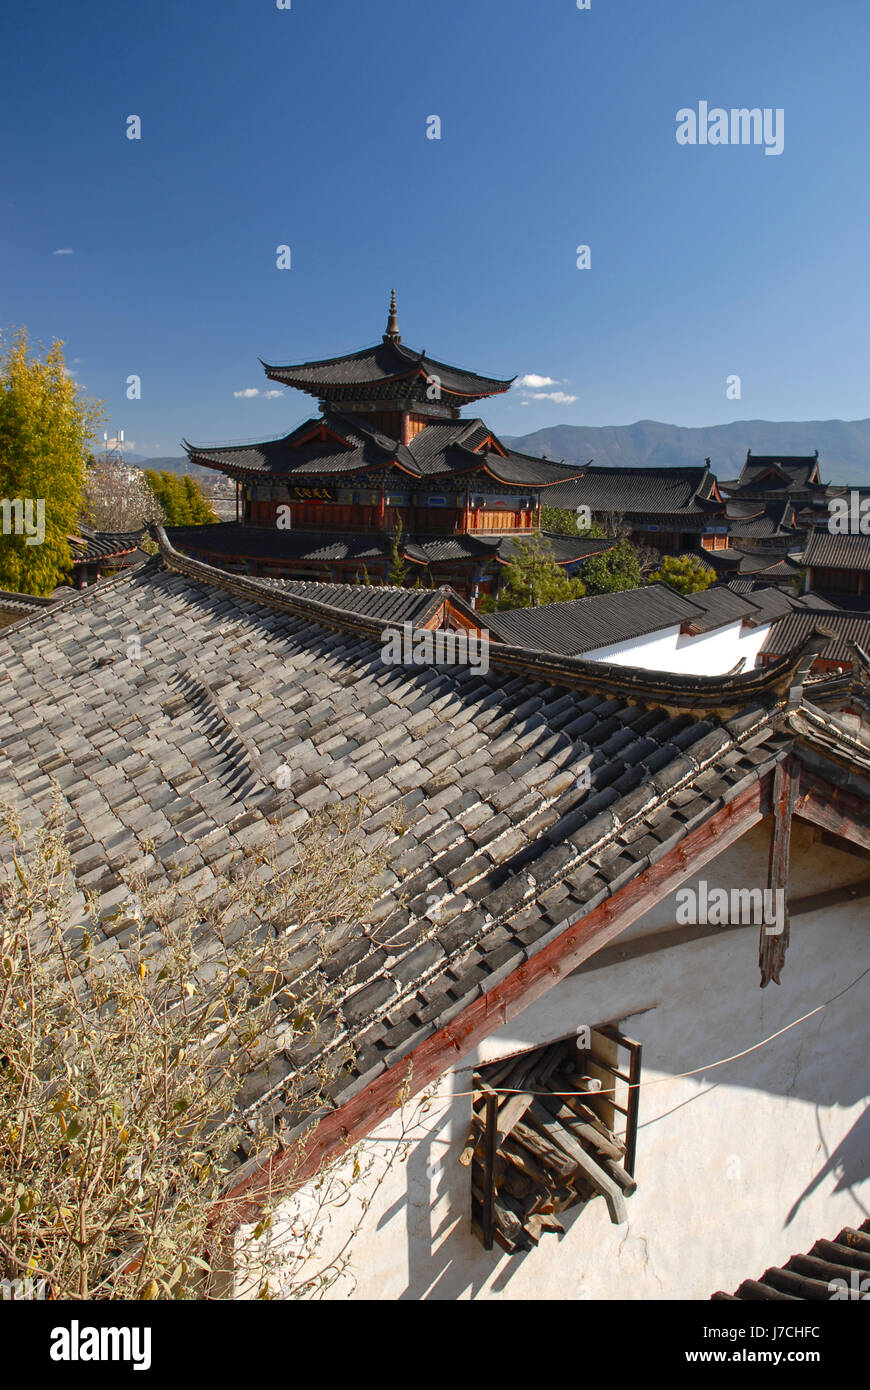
772, 948
345, 1126
489, 1148
833, 809
839, 842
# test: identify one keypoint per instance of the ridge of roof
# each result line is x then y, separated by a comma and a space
777, 681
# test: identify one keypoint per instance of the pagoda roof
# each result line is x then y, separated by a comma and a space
779, 473
369, 370
337, 444
342, 443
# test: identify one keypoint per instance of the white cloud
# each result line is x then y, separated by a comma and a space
535, 382
272, 395
64, 251
247, 393
558, 396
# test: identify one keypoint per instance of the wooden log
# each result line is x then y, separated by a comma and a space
582, 1131
619, 1175
515, 1075
553, 1057
506, 1222
475, 1135
511, 1113
522, 1160
601, 1181
585, 1113
540, 1222
518, 1185
553, 1159
586, 1084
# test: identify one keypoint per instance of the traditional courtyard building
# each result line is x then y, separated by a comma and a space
389, 463
713, 632
670, 509
608, 1088
838, 566
793, 478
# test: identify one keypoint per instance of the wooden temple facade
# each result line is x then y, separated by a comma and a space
389, 455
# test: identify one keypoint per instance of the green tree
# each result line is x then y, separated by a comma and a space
46, 424
563, 522
612, 569
181, 499
398, 569
199, 508
686, 573
533, 577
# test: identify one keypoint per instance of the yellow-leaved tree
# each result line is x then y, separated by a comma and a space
46, 424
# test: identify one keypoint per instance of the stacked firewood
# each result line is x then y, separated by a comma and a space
534, 1153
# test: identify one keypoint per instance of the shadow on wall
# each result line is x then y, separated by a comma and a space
446, 1262
850, 1161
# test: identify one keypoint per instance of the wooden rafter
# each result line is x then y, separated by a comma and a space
773, 946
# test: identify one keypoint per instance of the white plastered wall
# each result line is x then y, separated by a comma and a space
707, 654
739, 1166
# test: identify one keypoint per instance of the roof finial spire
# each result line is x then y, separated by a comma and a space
392, 333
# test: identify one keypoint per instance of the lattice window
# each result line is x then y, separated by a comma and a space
552, 1128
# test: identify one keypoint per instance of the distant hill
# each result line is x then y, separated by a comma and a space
843, 445
176, 465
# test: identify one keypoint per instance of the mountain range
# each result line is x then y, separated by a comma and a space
843, 445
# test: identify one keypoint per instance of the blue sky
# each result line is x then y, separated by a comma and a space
307, 127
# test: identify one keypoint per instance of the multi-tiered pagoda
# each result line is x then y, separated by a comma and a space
389, 456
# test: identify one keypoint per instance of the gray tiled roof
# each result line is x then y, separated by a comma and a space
351, 447
99, 545
231, 539
721, 604
385, 601
846, 1257
498, 830
382, 362
581, 624
524, 470
797, 470
839, 552
845, 628
565, 549
640, 490
340, 444
752, 519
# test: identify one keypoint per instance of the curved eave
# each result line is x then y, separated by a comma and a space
286, 376
531, 485
102, 555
